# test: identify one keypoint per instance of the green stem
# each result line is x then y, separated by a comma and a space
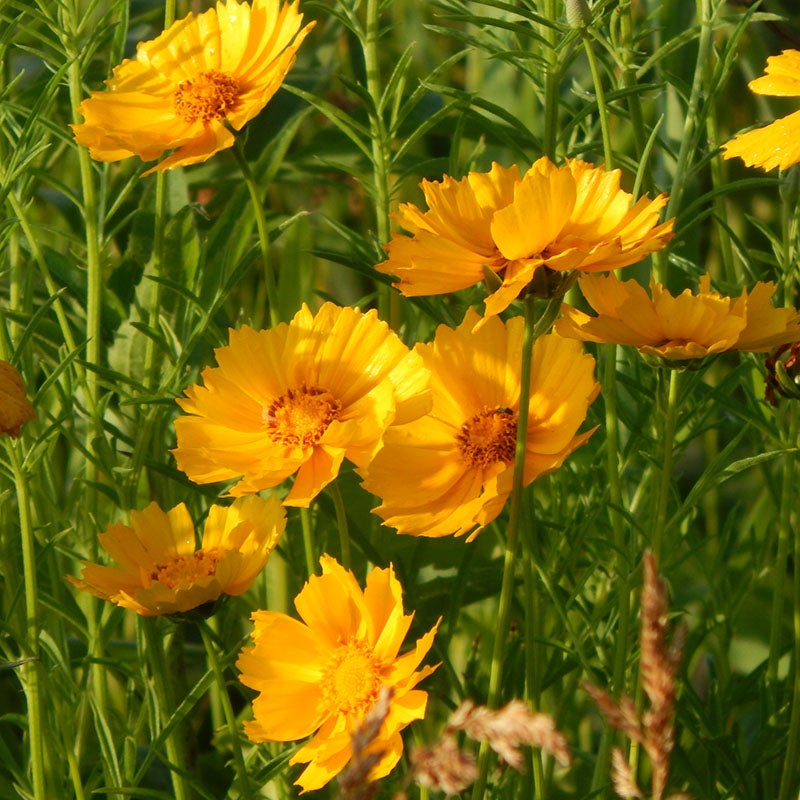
552, 80
151, 371
94, 277
341, 523
600, 777
532, 668
688, 144
270, 279
599, 94
788, 788
230, 718
785, 529
165, 705
33, 243
630, 81
31, 671
381, 158
309, 547
668, 441
512, 536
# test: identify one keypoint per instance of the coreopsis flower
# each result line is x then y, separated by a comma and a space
776, 144
574, 217
185, 90
458, 460
323, 675
299, 398
161, 571
689, 326
15, 409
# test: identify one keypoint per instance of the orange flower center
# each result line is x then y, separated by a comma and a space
301, 416
489, 437
351, 679
207, 96
187, 569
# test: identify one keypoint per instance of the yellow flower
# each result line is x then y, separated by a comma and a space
776, 144
185, 89
679, 328
457, 461
324, 674
300, 397
15, 410
160, 570
567, 218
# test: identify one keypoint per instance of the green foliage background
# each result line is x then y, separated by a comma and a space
381, 97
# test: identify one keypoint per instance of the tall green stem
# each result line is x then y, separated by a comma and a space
785, 530
309, 547
270, 280
688, 143
602, 110
381, 157
512, 536
32, 670
788, 788
160, 675
230, 718
668, 442
552, 80
600, 777
94, 277
341, 523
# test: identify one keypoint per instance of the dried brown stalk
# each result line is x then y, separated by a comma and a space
509, 727
443, 767
660, 658
354, 782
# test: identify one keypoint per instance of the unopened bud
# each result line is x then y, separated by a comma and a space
783, 374
579, 15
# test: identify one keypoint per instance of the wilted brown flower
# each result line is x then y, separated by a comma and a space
15, 410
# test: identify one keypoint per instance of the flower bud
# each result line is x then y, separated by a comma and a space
579, 15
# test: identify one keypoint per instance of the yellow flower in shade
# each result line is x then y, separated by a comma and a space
458, 460
679, 328
567, 218
299, 398
324, 674
187, 88
161, 571
776, 144
15, 410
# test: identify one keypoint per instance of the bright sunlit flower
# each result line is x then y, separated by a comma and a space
161, 571
567, 218
776, 144
679, 328
299, 398
324, 674
185, 89
457, 461
15, 409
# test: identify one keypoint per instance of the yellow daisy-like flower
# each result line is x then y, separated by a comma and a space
458, 460
187, 88
162, 572
15, 409
299, 398
324, 674
567, 218
679, 328
776, 144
